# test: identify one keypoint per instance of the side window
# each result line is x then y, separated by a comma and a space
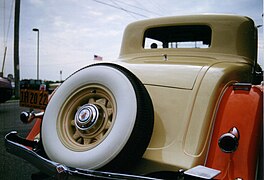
190, 36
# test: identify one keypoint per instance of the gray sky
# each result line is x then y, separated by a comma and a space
72, 31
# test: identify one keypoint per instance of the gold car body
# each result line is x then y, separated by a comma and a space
186, 84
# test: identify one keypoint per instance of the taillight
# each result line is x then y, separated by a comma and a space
228, 142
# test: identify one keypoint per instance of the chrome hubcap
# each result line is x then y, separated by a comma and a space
86, 117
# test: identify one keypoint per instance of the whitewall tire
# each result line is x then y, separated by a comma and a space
101, 116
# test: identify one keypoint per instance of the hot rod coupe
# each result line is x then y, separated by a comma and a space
183, 101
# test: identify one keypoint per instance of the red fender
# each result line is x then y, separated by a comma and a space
35, 130
240, 107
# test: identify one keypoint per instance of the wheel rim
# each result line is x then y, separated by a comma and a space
86, 118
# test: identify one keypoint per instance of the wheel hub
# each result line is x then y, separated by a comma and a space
86, 117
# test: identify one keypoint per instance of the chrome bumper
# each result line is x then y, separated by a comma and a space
20, 147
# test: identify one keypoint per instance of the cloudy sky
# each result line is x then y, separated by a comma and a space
72, 31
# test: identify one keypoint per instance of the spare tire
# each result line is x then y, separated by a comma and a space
101, 116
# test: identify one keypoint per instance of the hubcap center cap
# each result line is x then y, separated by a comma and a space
86, 116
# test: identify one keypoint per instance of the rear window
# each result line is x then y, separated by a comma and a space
189, 36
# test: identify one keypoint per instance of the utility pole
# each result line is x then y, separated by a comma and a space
60, 75
37, 30
16, 48
3, 66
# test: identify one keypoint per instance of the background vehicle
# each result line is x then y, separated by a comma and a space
6, 90
180, 96
32, 84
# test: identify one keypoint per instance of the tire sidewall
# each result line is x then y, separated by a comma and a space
126, 111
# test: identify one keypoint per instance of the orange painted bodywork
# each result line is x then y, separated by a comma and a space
241, 109
37, 126
35, 130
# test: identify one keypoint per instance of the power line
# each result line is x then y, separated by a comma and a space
5, 39
140, 8
158, 6
123, 9
9, 20
6, 33
120, 8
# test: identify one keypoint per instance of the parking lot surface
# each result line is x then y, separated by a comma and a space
12, 167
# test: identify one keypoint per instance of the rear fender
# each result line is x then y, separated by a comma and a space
241, 107
35, 131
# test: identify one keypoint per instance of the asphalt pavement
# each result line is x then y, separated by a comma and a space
12, 167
